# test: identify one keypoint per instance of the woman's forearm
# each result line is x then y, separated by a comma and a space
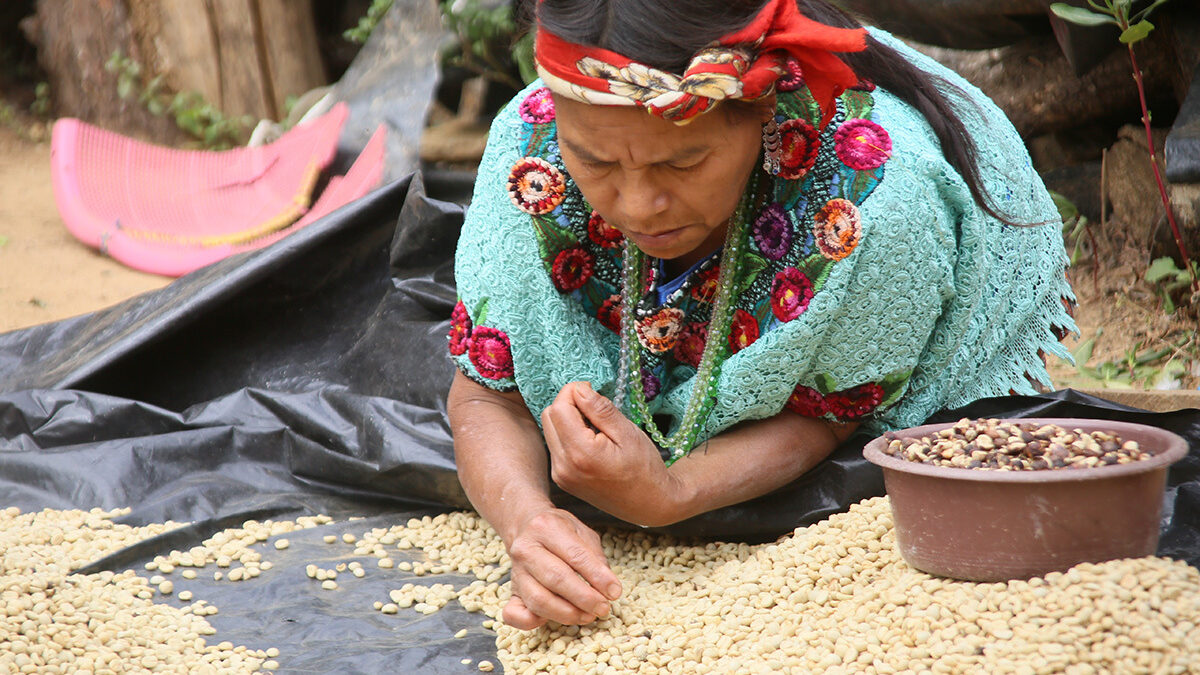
501, 458
751, 460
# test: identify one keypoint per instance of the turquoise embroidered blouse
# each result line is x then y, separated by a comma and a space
874, 288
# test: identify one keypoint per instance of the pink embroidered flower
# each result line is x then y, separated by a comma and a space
660, 331
460, 329
790, 294
603, 234
690, 347
743, 331
772, 231
571, 269
856, 402
491, 353
706, 284
535, 186
793, 77
862, 144
807, 401
609, 313
837, 228
538, 107
799, 144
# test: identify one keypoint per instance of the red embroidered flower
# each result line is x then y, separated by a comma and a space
690, 346
743, 331
807, 401
706, 284
862, 144
535, 186
799, 143
793, 77
538, 107
856, 402
660, 331
837, 228
609, 313
790, 294
491, 353
460, 329
603, 234
571, 269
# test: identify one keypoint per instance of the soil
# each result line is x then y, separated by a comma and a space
47, 275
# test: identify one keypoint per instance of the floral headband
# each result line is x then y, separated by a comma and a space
742, 65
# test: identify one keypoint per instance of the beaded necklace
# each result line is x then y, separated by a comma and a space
704, 384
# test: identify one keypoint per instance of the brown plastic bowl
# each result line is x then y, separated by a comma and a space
1000, 525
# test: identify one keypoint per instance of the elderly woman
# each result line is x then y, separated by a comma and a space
713, 239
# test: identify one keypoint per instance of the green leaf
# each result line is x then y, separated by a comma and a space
481, 311
3, 240
1083, 353
826, 384
1136, 32
1161, 268
858, 103
1078, 15
752, 266
1066, 208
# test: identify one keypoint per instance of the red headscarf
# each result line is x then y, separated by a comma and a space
744, 64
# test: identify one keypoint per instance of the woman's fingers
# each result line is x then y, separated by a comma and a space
558, 592
517, 615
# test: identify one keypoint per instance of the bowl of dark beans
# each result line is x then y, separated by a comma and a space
994, 500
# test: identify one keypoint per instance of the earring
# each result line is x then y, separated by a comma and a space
771, 146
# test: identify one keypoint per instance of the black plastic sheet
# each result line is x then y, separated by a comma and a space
310, 377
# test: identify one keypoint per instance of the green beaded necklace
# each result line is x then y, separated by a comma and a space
704, 384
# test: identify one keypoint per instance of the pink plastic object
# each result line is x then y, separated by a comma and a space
170, 211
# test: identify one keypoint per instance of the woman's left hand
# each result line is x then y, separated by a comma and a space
611, 464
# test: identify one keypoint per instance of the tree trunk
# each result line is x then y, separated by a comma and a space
246, 57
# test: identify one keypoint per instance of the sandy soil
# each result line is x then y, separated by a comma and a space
45, 273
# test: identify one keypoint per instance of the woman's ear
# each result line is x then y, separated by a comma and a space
767, 109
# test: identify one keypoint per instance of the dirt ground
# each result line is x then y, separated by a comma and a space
47, 275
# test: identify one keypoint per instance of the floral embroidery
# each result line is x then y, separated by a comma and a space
772, 231
837, 228
635, 81
650, 384
660, 331
491, 353
460, 329
538, 107
790, 294
862, 144
690, 346
800, 143
807, 401
535, 186
603, 234
743, 332
609, 313
706, 284
793, 79
571, 270
855, 403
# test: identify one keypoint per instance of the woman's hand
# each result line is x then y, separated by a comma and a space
559, 572
604, 459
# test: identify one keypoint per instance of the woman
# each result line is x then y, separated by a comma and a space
790, 244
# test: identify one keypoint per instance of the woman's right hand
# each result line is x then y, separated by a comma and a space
559, 572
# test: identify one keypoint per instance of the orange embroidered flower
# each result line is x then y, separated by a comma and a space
837, 228
535, 186
660, 331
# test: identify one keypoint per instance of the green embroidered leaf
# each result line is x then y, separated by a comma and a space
806, 106
817, 268
858, 103
826, 384
762, 312
481, 311
752, 266
894, 385
551, 239
863, 183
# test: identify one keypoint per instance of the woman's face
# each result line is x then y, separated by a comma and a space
668, 188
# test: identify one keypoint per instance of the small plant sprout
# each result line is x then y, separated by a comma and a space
1134, 28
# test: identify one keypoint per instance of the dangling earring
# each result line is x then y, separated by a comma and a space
771, 146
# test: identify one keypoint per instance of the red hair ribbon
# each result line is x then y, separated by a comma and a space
742, 65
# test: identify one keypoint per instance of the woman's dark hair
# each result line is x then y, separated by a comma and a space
666, 35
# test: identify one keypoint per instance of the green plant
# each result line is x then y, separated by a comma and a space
367, 23
190, 111
1075, 227
1134, 28
487, 41
1171, 283
40, 107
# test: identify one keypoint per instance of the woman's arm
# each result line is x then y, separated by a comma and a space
559, 570
601, 457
